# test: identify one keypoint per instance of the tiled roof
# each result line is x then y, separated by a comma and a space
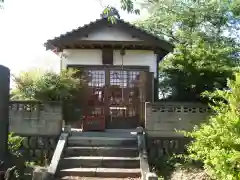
80, 31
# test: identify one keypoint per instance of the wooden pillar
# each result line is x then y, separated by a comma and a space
150, 87
160, 56
156, 82
4, 108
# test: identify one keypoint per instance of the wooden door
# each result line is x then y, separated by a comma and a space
118, 95
122, 99
94, 111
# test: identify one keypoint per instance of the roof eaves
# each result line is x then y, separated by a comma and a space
48, 44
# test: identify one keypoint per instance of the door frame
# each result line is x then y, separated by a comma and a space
107, 69
99, 67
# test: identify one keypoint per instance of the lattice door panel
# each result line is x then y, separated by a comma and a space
95, 109
96, 87
123, 95
133, 95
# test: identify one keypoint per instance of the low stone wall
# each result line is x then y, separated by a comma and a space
40, 124
158, 147
164, 119
32, 118
161, 149
39, 149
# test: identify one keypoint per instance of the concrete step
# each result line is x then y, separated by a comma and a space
107, 133
102, 151
98, 161
101, 172
102, 141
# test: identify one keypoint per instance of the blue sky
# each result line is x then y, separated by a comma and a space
26, 24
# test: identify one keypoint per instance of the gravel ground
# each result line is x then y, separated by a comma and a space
97, 178
189, 174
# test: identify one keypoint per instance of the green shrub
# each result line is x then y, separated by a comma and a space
217, 142
14, 144
16, 156
24, 167
46, 86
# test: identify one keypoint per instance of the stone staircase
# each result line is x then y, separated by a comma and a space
100, 155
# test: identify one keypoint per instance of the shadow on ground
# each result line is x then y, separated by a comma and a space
176, 167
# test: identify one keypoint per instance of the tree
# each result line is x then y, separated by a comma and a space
170, 18
128, 5
206, 39
110, 11
1, 4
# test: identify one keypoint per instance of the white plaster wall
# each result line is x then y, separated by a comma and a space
94, 57
136, 58
109, 34
82, 57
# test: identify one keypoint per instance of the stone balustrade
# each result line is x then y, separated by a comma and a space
164, 119
33, 118
40, 124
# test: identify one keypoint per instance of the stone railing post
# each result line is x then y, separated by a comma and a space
148, 112
4, 108
144, 166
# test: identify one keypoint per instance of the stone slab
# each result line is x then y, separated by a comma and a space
100, 172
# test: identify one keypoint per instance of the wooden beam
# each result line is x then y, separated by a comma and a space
109, 44
71, 46
158, 51
85, 42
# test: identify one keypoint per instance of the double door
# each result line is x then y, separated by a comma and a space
118, 94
